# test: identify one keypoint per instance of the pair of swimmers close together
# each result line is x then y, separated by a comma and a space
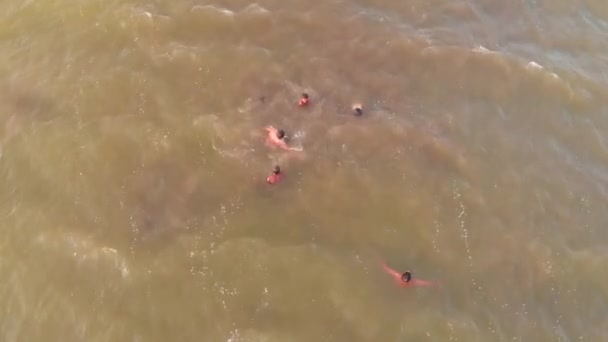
277, 138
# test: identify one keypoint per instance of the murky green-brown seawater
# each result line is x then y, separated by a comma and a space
132, 165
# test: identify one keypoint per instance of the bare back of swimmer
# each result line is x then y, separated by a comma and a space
276, 138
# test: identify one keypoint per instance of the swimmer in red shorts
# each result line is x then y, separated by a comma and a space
276, 176
405, 279
303, 100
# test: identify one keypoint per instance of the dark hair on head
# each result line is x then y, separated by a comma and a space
276, 170
358, 111
280, 134
305, 95
407, 276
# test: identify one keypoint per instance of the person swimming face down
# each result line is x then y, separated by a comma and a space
405, 279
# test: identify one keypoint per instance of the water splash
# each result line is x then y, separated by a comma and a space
436, 237
234, 336
462, 222
457, 196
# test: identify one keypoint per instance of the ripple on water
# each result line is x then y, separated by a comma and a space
180, 61
85, 252
212, 10
273, 284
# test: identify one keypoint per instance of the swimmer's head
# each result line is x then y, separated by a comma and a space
406, 277
276, 170
280, 134
357, 109
305, 95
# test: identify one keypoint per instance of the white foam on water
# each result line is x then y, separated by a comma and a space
534, 65
255, 8
119, 262
215, 227
296, 142
299, 134
483, 50
234, 336
436, 237
253, 48
457, 196
135, 231
451, 330
461, 219
150, 17
210, 8
85, 251
430, 49
537, 67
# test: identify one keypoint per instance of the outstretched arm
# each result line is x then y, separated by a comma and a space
393, 273
397, 276
418, 282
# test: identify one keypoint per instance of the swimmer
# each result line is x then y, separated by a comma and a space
405, 279
276, 137
303, 100
357, 109
276, 175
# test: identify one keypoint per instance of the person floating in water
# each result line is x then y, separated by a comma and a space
357, 109
276, 175
405, 279
276, 137
303, 100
